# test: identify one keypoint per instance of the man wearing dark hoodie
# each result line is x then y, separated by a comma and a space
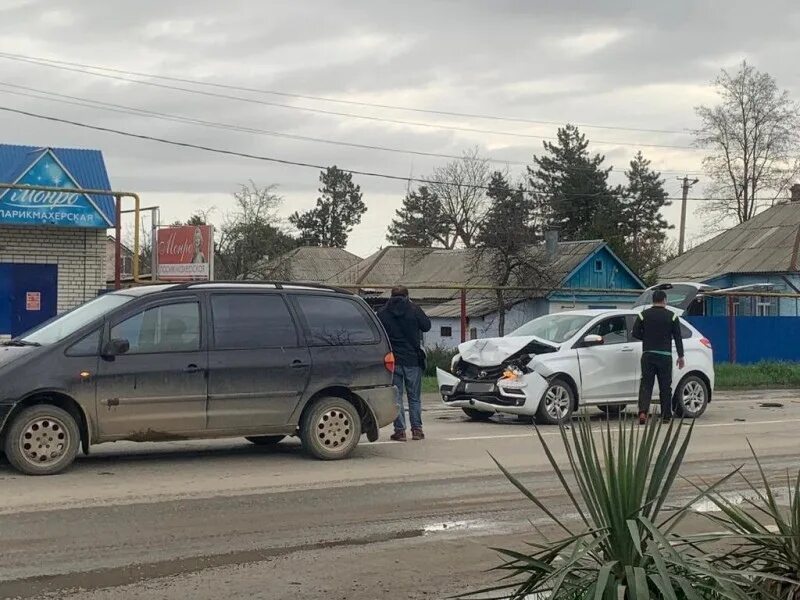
404, 321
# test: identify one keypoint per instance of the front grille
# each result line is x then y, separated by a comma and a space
472, 372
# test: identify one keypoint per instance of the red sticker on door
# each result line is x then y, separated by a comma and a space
33, 301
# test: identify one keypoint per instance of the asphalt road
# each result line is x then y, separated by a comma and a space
226, 519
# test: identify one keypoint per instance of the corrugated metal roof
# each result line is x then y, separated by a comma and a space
309, 264
418, 267
767, 243
86, 166
478, 305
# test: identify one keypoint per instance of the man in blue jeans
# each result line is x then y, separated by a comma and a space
405, 322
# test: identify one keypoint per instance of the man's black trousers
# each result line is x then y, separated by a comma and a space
660, 366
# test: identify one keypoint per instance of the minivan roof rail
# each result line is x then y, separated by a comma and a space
280, 285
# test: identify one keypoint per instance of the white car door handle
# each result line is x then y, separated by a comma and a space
627, 349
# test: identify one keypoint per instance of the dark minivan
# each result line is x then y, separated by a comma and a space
198, 360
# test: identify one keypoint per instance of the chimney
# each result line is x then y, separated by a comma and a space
551, 242
795, 189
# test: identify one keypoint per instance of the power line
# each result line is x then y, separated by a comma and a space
15, 56
265, 158
330, 112
130, 110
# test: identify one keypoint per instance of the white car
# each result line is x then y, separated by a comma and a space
553, 364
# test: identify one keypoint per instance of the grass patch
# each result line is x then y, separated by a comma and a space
759, 375
729, 377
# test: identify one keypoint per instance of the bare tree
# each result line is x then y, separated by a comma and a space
505, 252
752, 140
251, 234
460, 188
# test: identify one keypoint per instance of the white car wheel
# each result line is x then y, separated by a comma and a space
691, 397
557, 403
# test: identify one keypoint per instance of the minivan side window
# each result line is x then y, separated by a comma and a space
166, 328
250, 321
87, 346
337, 321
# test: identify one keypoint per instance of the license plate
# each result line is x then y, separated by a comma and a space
479, 388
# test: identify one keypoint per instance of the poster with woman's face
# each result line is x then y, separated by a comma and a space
185, 253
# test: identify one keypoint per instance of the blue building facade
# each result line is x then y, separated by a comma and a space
52, 244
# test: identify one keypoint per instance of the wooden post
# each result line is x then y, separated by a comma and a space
463, 315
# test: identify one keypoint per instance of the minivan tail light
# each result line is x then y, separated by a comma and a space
706, 342
388, 362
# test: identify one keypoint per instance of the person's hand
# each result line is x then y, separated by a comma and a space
681, 362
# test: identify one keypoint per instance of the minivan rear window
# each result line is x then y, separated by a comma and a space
251, 321
337, 321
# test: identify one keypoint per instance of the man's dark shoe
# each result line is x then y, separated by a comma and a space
417, 434
398, 436
642, 418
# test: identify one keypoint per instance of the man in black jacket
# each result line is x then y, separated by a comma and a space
403, 321
657, 327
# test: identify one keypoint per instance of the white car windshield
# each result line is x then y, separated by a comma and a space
556, 328
55, 330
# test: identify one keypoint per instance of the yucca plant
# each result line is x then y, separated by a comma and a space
625, 545
770, 532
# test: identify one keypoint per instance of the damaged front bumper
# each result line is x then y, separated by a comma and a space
519, 396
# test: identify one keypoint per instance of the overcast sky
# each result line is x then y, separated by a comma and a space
635, 64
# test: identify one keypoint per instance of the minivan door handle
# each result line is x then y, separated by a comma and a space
193, 369
299, 364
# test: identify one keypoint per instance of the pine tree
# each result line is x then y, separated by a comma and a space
642, 224
339, 208
506, 240
420, 222
571, 190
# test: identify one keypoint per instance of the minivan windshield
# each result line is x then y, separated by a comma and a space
556, 328
55, 330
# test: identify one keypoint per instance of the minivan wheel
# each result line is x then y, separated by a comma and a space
556, 404
477, 415
42, 440
691, 397
330, 429
265, 440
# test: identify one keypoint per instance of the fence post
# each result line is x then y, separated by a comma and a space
731, 331
463, 315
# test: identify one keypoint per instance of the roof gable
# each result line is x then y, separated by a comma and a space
767, 243
60, 167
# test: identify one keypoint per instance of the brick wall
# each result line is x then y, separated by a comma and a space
79, 254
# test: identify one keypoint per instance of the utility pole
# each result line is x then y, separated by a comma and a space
682, 236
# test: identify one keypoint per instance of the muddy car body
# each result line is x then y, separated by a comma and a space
555, 363
203, 360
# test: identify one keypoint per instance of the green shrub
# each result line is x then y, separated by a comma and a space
625, 545
440, 357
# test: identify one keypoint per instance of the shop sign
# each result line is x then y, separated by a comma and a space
33, 301
60, 209
185, 253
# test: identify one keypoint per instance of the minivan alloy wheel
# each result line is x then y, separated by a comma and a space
335, 428
44, 440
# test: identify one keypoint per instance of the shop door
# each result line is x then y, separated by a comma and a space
28, 296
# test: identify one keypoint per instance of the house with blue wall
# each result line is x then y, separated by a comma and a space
763, 250
432, 273
52, 243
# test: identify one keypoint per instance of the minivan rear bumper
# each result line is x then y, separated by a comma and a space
382, 403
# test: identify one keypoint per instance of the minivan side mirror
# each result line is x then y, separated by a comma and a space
592, 340
116, 347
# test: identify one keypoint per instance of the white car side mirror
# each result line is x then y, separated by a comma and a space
592, 340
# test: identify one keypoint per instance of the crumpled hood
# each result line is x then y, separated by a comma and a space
493, 351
